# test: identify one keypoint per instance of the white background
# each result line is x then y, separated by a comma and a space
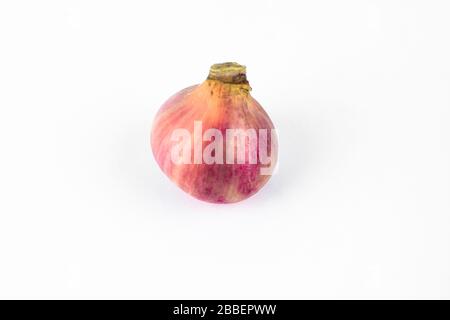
358, 90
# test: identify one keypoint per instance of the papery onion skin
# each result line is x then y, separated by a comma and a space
222, 102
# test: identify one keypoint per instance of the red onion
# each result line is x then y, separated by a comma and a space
214, 140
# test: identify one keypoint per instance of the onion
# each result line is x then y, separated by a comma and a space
214, 140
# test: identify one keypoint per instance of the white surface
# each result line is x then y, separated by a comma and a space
359, 92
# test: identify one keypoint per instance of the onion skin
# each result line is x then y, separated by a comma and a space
222, 102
